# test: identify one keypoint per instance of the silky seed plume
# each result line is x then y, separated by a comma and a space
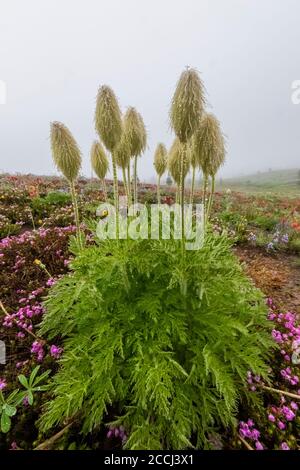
187, 104
65, 151
135, 132
160, 159
122, 153
99, 160
108, 121
208, 144
177, 153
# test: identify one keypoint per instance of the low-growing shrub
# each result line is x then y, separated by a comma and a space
164, 341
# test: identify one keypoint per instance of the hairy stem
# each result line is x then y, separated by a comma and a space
181, 194
104, 189
129, 184
76, 212
135, 181
210, 202
205, 180
116, 193
125, 184
158, 189
193, 186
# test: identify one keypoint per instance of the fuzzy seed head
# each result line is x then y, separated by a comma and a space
99, 160
135, 132
160, 159
193, 155
208, 145
122, 153
177, 152
108, 120
187, 105
65, 151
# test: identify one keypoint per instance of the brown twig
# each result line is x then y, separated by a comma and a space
245, 443
49, 442
281, 392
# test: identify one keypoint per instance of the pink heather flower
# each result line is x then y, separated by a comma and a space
269, 302
287, 358
294, 405
13, 446
3, 384
50, 282
289, 414
25, 401
277, 336
258, 446
255, 434
284, 446
37, 348
55, 351
271, 418
281, 425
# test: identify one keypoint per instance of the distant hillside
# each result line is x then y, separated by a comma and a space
273, 180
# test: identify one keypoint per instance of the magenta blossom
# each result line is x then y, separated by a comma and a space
3, 384
284, 446
55, 351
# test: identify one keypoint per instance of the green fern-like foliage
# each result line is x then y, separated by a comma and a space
166, 341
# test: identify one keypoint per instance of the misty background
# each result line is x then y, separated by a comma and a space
54, 55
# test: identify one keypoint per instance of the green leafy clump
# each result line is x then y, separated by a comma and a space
165, 343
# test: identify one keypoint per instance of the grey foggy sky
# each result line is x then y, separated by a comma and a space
54, 54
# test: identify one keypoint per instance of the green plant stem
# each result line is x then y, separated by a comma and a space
209, 207
129, 184
116, 193
135, 180
205, 180
42, 266
181, 193
104, 190
76, 212
158, 189
32, 220
193, 186
125, 184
